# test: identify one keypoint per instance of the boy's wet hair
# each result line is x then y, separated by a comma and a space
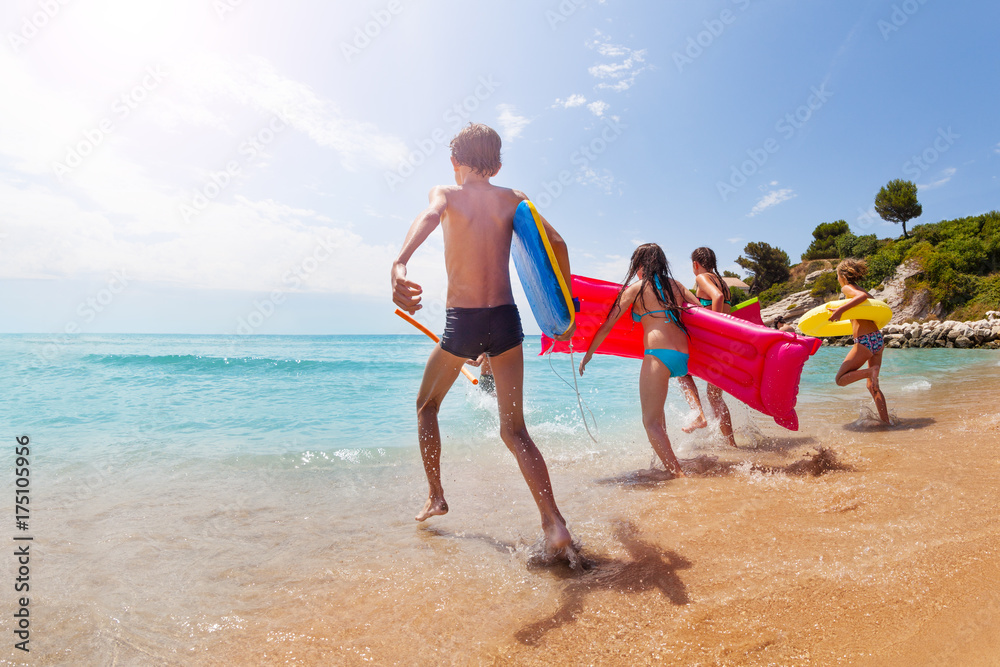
477, 146
853, 270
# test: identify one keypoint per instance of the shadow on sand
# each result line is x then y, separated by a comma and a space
768, 444
647, 568
506, 548
902, 424
818, 462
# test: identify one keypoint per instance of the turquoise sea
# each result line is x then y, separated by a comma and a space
218, 397
186, 487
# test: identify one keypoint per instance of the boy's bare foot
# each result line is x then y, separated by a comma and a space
698, 422
433, 507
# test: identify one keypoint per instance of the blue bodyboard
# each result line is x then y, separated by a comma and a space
548, 295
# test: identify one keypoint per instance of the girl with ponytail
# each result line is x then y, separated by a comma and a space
712, 293
655, 300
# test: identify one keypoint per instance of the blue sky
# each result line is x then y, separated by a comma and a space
242, 166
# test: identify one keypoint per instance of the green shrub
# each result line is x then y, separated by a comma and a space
883, 264
953, 288
774, 294
850, 245
824, 243
826, 284
988, 293
845, 243
865, 246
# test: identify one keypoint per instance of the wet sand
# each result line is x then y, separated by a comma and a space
847, 544
843, 543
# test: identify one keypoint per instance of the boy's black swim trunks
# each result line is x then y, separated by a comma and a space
468, 332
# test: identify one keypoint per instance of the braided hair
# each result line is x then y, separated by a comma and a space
706, 257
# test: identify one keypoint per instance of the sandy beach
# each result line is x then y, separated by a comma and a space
881, 550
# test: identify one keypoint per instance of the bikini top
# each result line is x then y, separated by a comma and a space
670, 314
707, 303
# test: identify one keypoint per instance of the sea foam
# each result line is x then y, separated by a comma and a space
919, 385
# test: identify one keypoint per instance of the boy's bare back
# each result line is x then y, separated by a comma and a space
478, 222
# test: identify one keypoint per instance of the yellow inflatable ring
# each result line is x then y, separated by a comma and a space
817, 321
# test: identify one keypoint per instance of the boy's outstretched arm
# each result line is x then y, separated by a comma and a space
406, 293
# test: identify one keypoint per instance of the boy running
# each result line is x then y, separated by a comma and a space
477, 220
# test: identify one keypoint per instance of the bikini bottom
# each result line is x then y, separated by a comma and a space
676, 362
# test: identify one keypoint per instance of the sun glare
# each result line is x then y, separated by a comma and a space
126, 29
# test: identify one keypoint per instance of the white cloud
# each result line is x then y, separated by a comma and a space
197, 91
511, 125
260, 245
617, 76
602, 179
257, 84
771, 199
571, 101
120, 208
598, 108
945, 177
613, 268
736, 239
996, 149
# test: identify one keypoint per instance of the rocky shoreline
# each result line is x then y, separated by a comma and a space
930, 332
934, 333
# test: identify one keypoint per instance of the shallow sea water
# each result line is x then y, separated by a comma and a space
202, 500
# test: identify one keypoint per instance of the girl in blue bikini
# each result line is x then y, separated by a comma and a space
655, 300
868, 341
713, 293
